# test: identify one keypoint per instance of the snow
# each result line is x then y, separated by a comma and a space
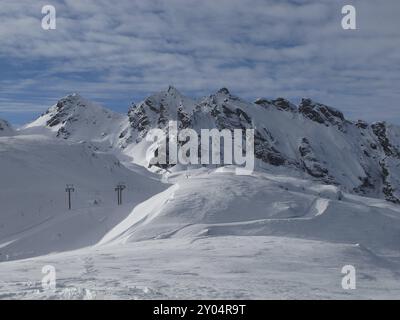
34, 215
226, 267
198, 239
217, 204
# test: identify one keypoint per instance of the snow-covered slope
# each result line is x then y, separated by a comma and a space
34, 216
312, 145
213, 234
226, 267
209, 203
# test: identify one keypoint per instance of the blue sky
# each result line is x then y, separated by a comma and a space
116, 53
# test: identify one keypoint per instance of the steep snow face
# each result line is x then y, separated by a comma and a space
5, 128
77, 119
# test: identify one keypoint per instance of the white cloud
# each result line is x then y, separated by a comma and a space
257, 48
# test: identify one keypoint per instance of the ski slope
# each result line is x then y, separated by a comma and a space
201, 233
209, 203
225, 267
34, 216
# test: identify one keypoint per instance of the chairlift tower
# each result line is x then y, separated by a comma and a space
70, 188
118, 189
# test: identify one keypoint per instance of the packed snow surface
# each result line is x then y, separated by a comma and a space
225, 267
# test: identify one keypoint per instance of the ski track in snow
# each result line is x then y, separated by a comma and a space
231, 267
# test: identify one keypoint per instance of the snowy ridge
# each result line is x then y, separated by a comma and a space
216, 204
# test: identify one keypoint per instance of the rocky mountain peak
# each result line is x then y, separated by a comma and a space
5, 128
284, 104
173, 91
263, 102
278, 103
67, 108
320, 113
223, 91
73, 117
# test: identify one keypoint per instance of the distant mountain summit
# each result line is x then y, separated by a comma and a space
78, 119
309, 140
5, 128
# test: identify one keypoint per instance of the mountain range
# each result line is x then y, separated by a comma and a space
310, 140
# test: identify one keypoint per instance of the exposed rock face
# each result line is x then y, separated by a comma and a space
5, 128
263, 102
138, 120
283, 104
311, 163
76, 118
65, 111
264, 149
361, 124
279, 103
379, 129
321, 113
226, 111
388, 190
318, 153
156, 111
312, 141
